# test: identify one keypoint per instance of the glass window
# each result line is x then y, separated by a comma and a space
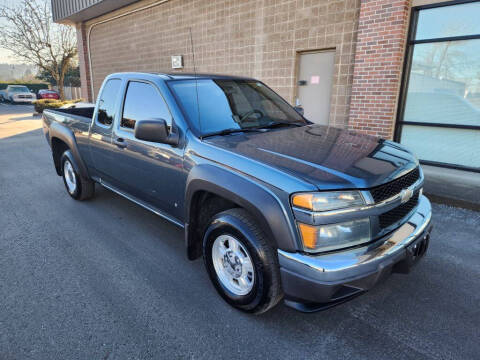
18, 89
143, 102
106, 104
443, 145
444, 83
441, 113
448, 21
231, 104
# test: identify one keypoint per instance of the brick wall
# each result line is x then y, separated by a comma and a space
258, 38
382, 32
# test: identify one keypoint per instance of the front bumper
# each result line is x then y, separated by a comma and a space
316, 282
23, 100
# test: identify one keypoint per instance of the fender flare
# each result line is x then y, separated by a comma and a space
66, 135
262, 203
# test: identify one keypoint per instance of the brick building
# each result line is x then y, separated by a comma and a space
407, 70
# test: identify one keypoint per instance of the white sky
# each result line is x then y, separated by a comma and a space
6, 56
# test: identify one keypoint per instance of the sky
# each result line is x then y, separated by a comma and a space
6, 56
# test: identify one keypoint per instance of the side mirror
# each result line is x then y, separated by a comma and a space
155, 131
300, 110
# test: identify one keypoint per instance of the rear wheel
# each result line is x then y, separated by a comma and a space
77, 187
241, 264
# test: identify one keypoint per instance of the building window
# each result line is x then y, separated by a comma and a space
439, 117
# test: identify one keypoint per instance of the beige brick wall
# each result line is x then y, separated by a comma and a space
258, 38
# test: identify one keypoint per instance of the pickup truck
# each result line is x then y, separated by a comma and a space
278, 207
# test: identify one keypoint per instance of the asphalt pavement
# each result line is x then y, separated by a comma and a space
106, 279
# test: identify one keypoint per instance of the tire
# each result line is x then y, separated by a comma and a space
253, 289
77, 187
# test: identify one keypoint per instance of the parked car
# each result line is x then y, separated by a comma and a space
48, 94
19, 94
279, 207
3, 95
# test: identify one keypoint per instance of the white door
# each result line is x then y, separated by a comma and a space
315, 79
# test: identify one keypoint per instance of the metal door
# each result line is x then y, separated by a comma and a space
315, 79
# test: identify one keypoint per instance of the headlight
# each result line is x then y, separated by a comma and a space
331, 200
334, 236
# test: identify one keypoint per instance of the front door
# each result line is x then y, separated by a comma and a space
315, 79
100, 145
151, 172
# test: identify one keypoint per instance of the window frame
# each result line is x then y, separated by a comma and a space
406, 71
124, 97
98, 123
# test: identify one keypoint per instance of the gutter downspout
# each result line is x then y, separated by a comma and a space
103, 22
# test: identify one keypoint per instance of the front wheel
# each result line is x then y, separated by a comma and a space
241, 263
77, 187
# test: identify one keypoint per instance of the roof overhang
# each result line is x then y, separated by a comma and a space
75, 11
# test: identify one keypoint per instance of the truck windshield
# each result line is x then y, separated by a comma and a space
18, 89
228, 104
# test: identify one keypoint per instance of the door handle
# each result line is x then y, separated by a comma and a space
120, 142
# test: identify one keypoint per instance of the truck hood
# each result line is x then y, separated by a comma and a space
328, 158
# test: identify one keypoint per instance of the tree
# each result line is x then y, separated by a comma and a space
31, 35
72, 76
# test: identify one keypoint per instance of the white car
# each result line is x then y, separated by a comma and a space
19, 93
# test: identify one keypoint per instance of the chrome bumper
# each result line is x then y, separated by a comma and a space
24, 100
351, 271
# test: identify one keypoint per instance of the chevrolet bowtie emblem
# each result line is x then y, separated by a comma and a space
406, 195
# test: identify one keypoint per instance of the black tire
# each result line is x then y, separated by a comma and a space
266, 291
85, 188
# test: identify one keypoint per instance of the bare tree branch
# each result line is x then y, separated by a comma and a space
31, 36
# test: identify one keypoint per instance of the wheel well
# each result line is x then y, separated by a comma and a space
204, 206
58, 148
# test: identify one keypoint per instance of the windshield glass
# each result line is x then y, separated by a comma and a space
232, 104
18, 89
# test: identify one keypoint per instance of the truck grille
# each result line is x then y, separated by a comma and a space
391, 217
392, 188
25, 96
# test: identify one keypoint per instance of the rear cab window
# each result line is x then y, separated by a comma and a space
143, 101
107, 102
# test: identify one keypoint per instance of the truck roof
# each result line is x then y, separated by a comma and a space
187, 76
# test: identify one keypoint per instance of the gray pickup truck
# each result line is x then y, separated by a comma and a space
279, 208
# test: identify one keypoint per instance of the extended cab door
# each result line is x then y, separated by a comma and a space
101, 147
152, 172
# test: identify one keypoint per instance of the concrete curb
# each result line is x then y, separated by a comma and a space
452, 187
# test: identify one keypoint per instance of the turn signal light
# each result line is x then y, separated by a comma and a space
309, 235
303, 201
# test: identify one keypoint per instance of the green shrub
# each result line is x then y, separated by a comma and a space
32, 86
43, 104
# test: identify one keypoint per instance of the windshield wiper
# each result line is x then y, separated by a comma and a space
230, 131
276, 124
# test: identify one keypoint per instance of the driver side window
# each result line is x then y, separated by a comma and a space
143, 102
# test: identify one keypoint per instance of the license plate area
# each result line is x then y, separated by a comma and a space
415, 251
418, 248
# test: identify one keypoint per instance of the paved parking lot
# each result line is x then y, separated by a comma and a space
106, 279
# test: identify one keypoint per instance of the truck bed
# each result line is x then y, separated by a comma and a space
86, 112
